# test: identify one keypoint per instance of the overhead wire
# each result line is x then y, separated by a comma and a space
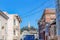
36, 9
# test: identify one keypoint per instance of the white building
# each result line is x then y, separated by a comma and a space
3, 25
13, 29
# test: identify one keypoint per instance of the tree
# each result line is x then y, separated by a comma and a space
26, 28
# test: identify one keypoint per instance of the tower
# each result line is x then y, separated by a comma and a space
29, 25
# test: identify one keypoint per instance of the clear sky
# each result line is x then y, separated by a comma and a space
29, 10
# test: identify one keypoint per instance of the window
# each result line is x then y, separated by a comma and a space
14, 22
14, 32
6, 28
55, 29
2, 27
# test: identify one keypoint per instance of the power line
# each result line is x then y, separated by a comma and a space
36, 9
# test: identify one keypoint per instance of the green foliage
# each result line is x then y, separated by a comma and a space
26, 28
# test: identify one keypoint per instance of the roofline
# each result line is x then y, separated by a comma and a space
19, 19
4, 15
44, 12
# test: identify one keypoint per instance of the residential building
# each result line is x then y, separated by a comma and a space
3, 25
41, 30
13, 29
44, 23
58, 18
52, 34
49, 18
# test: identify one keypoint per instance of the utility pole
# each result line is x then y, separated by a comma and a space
58, 18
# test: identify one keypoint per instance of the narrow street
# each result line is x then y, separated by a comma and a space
29, 19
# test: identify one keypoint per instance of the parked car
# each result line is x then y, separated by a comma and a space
29, 37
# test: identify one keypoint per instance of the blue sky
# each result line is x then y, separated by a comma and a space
29, 10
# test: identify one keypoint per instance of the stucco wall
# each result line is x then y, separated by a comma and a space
11, 28
3, 23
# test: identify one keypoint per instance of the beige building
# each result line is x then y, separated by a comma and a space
9, 26
13, 29
3, 25
44, 23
